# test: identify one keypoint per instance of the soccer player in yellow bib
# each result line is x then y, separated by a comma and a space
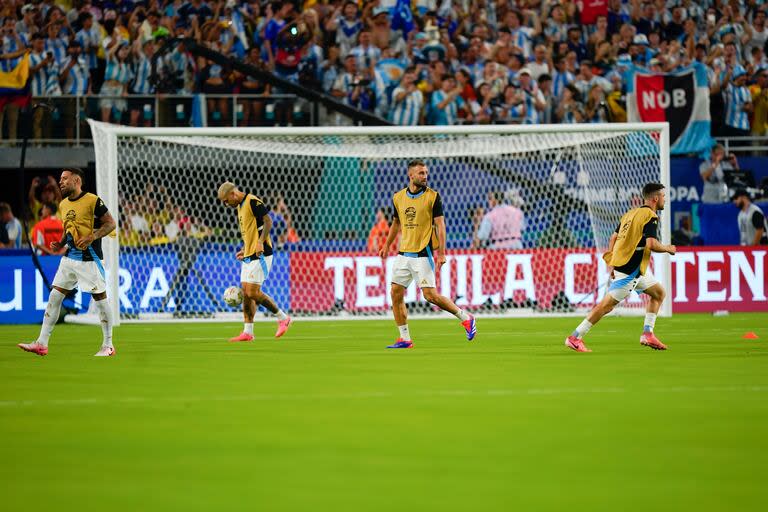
86, 221
418, 213
628, 255
256, 257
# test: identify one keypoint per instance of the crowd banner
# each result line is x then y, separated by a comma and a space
681, 98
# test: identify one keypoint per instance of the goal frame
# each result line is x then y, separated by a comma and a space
107, 166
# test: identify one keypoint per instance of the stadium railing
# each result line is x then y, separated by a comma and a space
165, 110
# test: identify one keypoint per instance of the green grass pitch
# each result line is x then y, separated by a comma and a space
327, 419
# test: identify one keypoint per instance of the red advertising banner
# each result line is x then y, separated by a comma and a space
710, 278
703, 279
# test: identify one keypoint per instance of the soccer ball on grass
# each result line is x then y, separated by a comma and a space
233, 296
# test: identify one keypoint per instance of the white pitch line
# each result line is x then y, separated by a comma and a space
381, 394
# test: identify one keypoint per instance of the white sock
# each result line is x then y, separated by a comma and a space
281, 315
105, 317
248, 328
650, 321
582, 329
405, 334
461, 315
52, 310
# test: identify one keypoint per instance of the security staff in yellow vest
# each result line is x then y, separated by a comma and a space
86, 221
255, 255
418, 214
628, 255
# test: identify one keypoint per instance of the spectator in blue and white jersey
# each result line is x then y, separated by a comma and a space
346, 22
57, 43
366, 54
556, 29
342, 85
89, 38
738, 104
446, 103
235, 14
561, 77
74, 72
330, 68
511, 108
586, 80
569, 109
13, 43
522, 36
407, 100
44, 82
141, 69
116, 79
311, 66
532, 97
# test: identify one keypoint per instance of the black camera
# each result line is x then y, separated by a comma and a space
168, 83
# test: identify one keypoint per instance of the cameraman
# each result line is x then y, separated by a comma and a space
712, 171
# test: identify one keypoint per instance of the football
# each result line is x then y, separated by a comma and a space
233, 296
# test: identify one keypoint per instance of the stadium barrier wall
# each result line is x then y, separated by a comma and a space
704, 279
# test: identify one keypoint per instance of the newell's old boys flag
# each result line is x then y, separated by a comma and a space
680, 98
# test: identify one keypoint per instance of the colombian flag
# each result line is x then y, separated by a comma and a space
14, 84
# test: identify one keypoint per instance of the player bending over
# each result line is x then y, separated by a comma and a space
86, 221
256, 257
629, 253
418, 210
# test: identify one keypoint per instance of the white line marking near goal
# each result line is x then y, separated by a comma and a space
381, 394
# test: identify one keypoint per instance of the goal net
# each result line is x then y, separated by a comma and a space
528, 210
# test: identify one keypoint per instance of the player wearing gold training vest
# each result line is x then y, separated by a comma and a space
418, 216
256, 257
628, 255
86, 221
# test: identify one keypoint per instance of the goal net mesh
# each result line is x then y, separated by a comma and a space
527, 216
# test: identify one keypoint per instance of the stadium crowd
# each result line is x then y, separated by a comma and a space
410, 61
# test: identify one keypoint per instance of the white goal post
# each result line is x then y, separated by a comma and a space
562, 189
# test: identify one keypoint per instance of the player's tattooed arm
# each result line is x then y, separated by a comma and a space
108, 225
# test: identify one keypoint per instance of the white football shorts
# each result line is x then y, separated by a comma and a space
88, 274
256, 270
406, 269
622, 284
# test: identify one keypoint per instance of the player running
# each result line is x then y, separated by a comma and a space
86, 221
418, 210
256, 256
628, 255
